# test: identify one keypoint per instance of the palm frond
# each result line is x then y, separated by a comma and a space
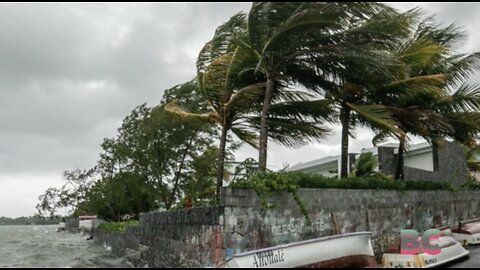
242, 61
365, 165
466, 98
264, 18
245, 98
223, 41
246, 136
295, 134
286, 95
380, 137
426, 80
377, 115
420, 52
291, 133
319, 110
465, 126
174, 109
461, 67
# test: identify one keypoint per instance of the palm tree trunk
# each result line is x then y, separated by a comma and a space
262, 153
345, 119
221, 162
179, 171
435, 156
399, 170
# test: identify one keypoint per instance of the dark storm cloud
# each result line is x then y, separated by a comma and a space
70, 72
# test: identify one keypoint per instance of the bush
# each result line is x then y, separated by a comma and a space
265, 183
295, 180
118, 226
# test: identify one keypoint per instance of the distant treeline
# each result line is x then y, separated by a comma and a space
34, 220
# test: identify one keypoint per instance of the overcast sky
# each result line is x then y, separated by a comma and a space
69, 73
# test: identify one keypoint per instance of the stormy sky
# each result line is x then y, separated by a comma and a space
69, 73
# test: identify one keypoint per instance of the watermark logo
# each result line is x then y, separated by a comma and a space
411, 243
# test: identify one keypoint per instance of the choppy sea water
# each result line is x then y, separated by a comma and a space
42, 246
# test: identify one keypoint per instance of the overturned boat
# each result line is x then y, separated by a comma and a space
451, 250
343, 250
467, 232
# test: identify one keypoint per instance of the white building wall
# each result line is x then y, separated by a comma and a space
420, 157
422, 161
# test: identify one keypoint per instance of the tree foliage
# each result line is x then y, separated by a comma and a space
154, 161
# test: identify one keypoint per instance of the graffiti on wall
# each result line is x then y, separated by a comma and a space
298, 225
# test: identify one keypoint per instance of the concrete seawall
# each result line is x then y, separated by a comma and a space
207, 236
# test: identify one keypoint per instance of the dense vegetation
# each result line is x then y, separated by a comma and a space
285, 72
292, 181
118, 226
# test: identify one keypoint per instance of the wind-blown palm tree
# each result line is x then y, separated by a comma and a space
427, 109
305, 43
227, 81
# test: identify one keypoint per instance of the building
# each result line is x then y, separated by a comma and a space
418, 162
419, 156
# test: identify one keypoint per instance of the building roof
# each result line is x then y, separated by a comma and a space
313, 163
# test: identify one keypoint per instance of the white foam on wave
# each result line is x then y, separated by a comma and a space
108, 248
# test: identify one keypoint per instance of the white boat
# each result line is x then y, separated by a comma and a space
451, 250
467, 232
343, 250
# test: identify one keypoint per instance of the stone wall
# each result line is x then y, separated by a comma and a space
207, 236
452, 165
182, 238
71, 225
248, 226
124, 245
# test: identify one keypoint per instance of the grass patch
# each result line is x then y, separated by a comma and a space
118, 226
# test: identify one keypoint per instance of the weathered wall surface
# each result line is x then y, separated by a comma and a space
124, 244
206, 236
72, 224
183, 238
452, 165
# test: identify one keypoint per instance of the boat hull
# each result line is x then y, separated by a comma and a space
345, 250
423, 260
467, 239
355, 261
467, 233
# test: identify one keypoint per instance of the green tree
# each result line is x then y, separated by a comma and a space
154, 145
122, 194
200, 188
48, 204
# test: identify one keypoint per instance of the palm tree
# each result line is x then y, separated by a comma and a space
226, 80
304, 43
425, 107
